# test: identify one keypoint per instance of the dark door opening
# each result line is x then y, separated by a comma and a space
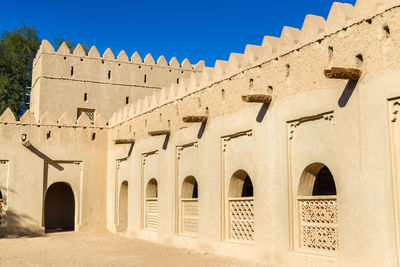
59, 209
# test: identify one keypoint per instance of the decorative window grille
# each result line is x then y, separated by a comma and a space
190, 216
89, 112
318, 223
151, 214
241, 218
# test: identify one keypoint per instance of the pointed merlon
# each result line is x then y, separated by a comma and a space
83, 120
161, 61
200, 65
195, 119
339, 17
46, 47
257, 98
251, 52
124, 141
93, 52
108, 54
186, 64
160, 132
65, 119
99, 121
7, 116
64, 49
28, 118
269, 48
78, 51
312, 30
149, 60
122, 56
136, 58
343, 73
289, 39
173, 63
47, 119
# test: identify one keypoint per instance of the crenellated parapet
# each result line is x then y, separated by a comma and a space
315, 28
47, 119
71, 81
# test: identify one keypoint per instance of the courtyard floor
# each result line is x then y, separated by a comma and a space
102, 249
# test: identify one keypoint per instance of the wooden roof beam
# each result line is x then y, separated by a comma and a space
257, 98
124, 141
195, 119
343, 73
160, 132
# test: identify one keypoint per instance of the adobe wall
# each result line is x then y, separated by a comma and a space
351, 127
68, 152
60, 79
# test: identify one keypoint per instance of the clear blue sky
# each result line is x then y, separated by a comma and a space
197, 30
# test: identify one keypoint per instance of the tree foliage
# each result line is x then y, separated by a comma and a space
17, 51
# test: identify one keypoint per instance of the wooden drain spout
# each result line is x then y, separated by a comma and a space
195, 119
343, 73
160, 132
124, 141
257, 98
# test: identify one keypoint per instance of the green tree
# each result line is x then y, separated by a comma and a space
17, 51
71, 45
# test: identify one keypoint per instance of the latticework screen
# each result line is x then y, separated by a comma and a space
151, 214
241, 218
89, 112
318, 223
190, 216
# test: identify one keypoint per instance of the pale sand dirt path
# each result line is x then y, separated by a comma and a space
103, 249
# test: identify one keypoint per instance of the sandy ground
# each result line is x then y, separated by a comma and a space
102, 249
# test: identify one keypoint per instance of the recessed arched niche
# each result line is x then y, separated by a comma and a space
317, 211
189, 211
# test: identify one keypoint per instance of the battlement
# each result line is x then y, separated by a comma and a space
314, 29
65, 81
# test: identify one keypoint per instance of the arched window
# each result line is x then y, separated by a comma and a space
123, 207
317, 210
151, 218
241, 207
189, 206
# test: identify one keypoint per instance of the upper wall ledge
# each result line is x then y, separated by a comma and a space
314, 28
63, 50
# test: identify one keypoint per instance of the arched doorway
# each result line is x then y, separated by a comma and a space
189, 218
151, 205
59, 208
317, 210
241, 207
123, 207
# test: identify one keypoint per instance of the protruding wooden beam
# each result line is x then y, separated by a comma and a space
257, 98
161, 132
194, 119
124, 141
343, 73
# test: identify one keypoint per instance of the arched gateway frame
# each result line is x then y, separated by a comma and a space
317, 211
151, 205
123, 207
189, 210
240, 207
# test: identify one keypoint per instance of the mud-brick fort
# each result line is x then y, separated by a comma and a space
287, 154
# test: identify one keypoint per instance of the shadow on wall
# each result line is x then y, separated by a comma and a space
262, 112
14, 225
44, 157
347, 93
19, 225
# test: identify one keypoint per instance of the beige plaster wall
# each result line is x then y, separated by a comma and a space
275, 143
